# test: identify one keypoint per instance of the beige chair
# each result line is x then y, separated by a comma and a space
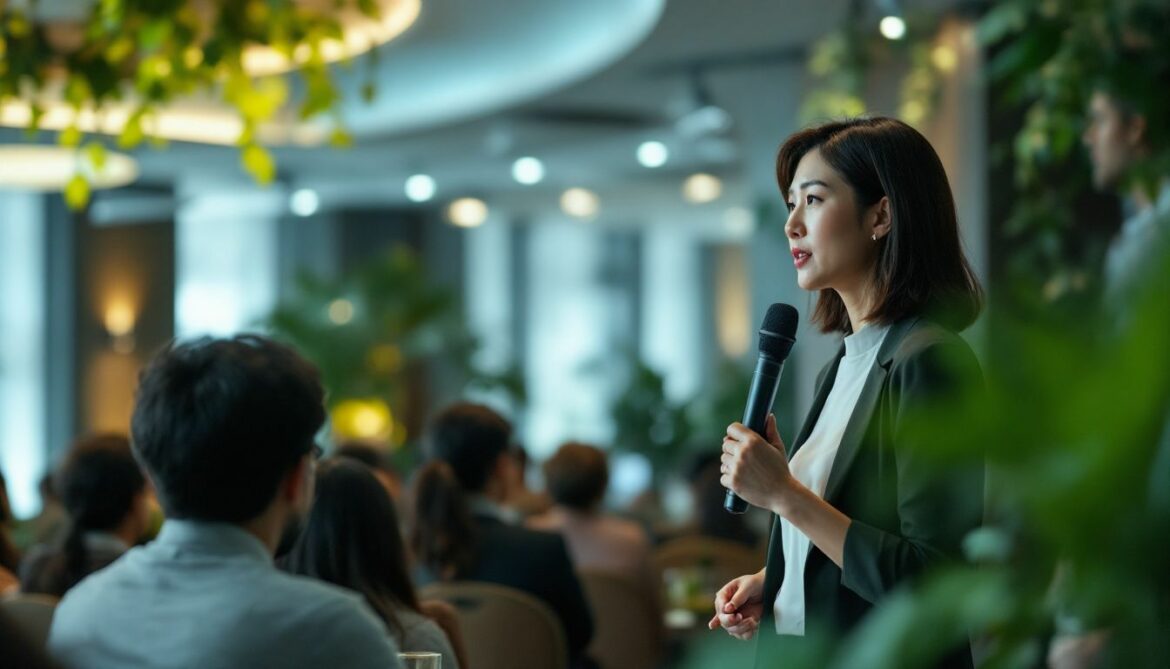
706, 564
32, 615
504, 628
627, 621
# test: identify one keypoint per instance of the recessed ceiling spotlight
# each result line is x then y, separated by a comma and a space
701, 188
580, 203
304, 202
893, 27
420, 188
653, 154
467, 212
528, 170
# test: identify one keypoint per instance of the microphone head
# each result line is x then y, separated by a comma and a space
778, 333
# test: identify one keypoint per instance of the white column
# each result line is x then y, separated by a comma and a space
226, 270
672, 310
23, 442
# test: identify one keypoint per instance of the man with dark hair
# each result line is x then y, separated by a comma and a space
224, 429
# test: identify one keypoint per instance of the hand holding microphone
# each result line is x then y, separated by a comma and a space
777, 335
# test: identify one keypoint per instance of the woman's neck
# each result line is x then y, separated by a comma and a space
858, 303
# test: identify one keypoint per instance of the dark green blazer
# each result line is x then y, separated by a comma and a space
910, 508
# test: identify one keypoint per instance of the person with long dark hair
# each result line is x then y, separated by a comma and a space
462, 533
352, 539
106, 499
863, 505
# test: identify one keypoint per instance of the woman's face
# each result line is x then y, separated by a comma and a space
831, 246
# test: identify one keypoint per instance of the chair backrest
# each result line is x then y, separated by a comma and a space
719, 560
627, 621
503, 627
32, 615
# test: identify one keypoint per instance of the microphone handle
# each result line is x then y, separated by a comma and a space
761, 396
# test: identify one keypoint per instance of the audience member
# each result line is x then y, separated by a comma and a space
352, 539
519, 498
105, 496
50, 522
461, 533
576, 477
224, 429
710, 518
375, 457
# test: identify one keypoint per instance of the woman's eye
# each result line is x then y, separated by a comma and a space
809, 199
790, 206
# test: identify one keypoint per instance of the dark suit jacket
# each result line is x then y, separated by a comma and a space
537, 563
909, 510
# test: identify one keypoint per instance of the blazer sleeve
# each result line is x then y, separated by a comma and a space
938, 477
567, 597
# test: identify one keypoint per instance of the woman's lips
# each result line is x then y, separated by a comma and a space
800, 257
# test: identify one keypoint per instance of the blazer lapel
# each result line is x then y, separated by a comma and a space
862, 414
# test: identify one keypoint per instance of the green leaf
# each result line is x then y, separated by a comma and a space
132, 135
95, 153
77, 192
1002, 20
258, 162
340, 139
369, 92
70, 137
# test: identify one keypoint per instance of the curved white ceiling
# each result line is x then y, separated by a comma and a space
468, 58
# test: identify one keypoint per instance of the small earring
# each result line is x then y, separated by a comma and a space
874, 237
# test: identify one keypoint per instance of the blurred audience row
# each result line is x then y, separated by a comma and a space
241, 489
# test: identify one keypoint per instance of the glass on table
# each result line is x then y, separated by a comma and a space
420, 660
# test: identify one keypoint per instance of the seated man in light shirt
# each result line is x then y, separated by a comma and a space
224, 429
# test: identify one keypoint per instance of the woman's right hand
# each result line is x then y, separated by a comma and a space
739, 606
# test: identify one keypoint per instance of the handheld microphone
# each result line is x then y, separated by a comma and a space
777, 335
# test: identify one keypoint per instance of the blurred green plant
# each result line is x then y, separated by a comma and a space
1048, 56
153, 52
840, 62
371, 332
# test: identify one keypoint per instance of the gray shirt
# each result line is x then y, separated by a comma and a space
208, 595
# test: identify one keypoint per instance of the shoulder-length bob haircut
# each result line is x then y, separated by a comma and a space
921, 269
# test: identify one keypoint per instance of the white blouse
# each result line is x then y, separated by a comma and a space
813, 462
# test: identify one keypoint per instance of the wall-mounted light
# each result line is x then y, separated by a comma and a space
119, 320
580, 203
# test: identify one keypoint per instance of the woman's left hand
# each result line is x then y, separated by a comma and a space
755, 469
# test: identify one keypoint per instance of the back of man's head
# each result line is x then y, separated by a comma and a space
470, 438
219, 423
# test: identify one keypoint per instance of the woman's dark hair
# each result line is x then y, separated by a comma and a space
219, 423
465, 443
577, 475
351, 538
98, 482
443, 537
921, 268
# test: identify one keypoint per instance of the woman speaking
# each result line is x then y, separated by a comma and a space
862, 505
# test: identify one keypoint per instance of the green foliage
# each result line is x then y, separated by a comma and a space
157, 51
1049, 56
839, 64
370, 331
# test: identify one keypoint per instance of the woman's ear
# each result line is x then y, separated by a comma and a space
879, 218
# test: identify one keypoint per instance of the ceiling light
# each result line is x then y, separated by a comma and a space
467, 212
359, 34
893, 27
739, 222
420, 188
580, 202
706, 120
49, 168
701, 188
528, 170
653, 154
304, 202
